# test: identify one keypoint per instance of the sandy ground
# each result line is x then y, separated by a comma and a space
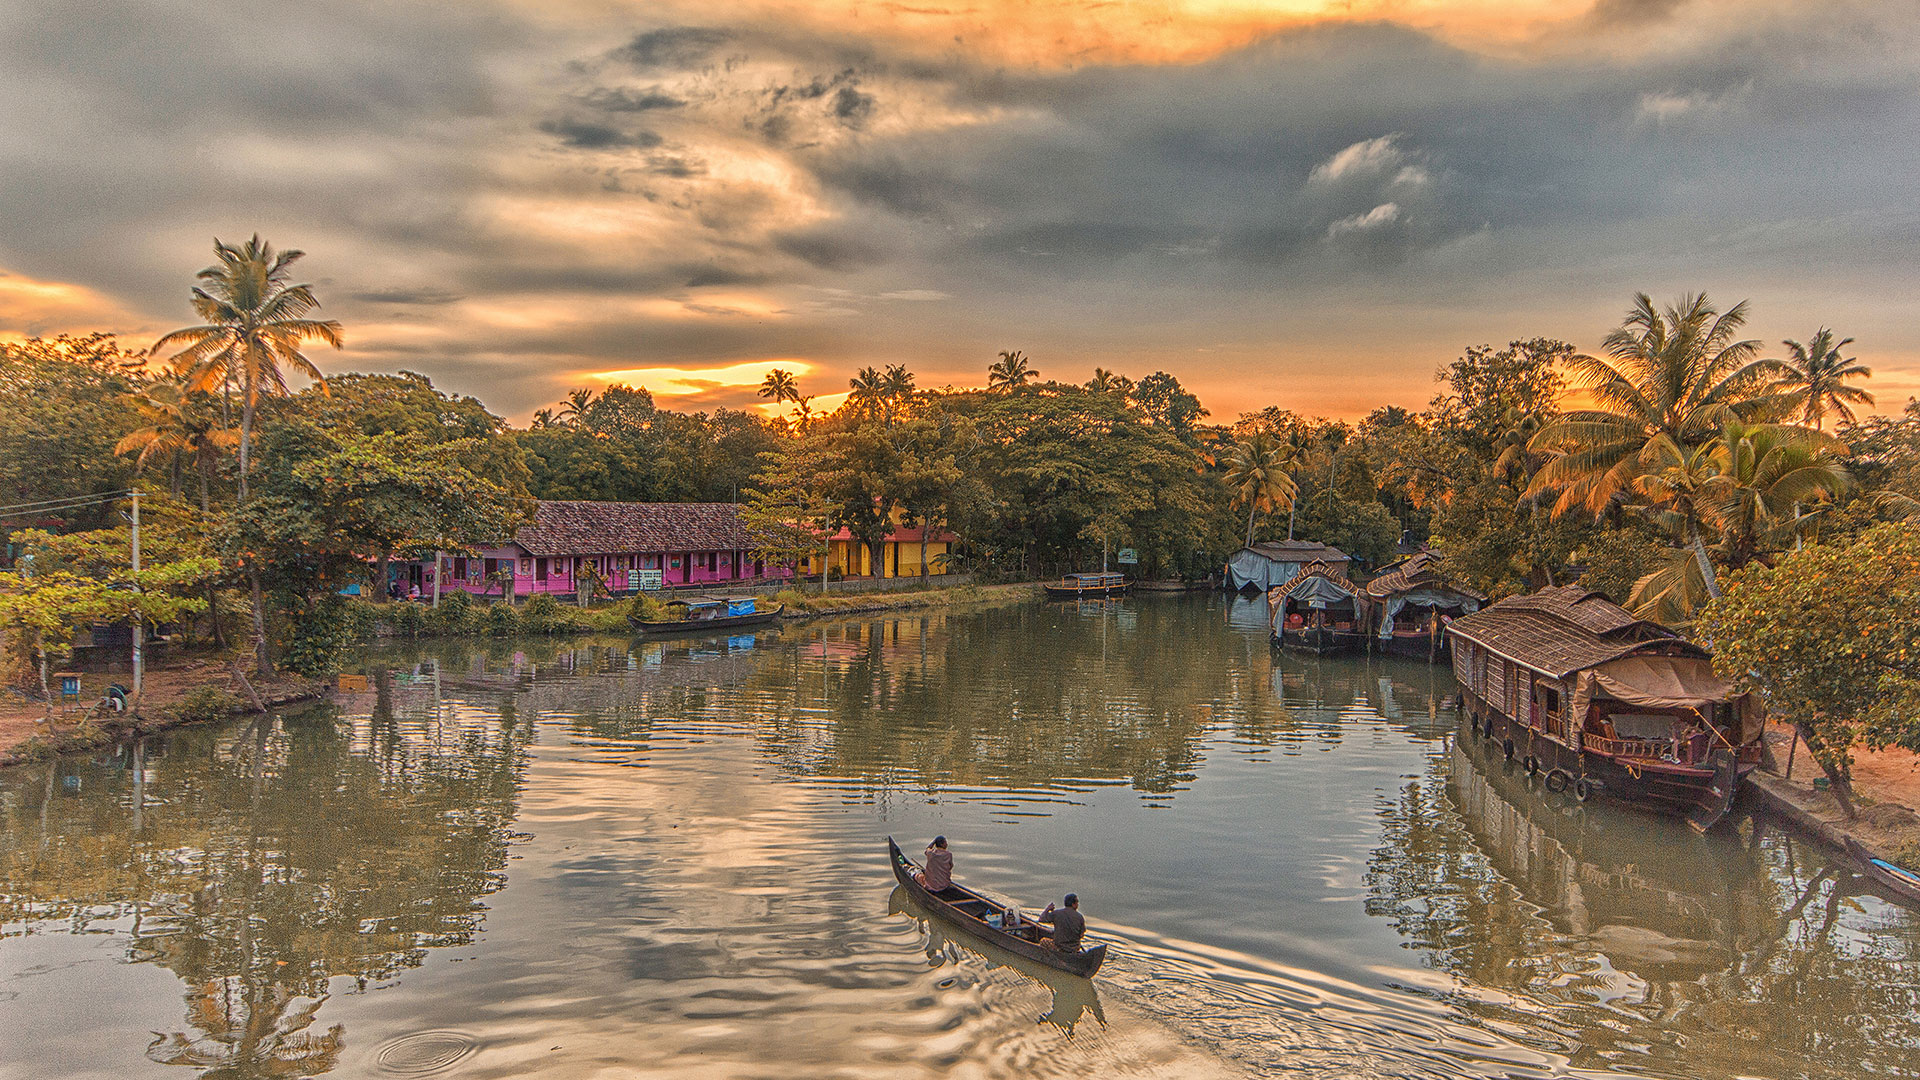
1886, 785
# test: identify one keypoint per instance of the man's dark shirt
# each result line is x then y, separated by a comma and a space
1069, 926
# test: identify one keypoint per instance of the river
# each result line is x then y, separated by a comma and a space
600, 858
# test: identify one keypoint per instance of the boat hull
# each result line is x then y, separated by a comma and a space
1083, 963
1703, 794
1321, 641
1069, 592
705, 626
1894, 880
1416, 647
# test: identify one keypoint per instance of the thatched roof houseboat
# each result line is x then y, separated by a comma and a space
1409, 605
1605, 703
1318, 611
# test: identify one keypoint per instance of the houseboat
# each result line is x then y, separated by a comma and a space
1604, 703
1259, 567
1410, 604
1088, 586
1317, 611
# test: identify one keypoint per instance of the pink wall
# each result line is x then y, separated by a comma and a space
695, 568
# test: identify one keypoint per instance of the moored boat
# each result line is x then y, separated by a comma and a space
1088, 586
706, 615
1605, 703
1898, 880
969, 912
1410, 604
1316, 611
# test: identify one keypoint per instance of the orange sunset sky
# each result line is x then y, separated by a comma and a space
1301, 203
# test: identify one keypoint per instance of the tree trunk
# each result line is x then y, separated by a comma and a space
381, 570
1252, 508
262, 658
923, 550
213, 615
1699, 548
1838, 781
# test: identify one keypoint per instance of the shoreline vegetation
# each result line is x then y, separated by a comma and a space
198, 687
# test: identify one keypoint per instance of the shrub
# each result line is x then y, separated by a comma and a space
406, 618
542, 615
324, 633
502, 619
205, 703
454, 616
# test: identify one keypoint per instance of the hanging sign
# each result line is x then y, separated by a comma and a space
1127, 557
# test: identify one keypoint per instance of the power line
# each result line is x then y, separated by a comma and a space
53, 506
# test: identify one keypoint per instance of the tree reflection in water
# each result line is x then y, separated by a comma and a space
265, 867
1614, 937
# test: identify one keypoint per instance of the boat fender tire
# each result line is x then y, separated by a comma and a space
1473, 723
1506, 748
1532, 764
1583, 789
1558, 780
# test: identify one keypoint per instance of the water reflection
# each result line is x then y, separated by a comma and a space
267, 871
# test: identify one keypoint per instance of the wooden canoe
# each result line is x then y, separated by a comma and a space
1897, 880
967, 911
706, 626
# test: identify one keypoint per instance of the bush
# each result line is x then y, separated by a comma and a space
543, 615
406, 618
205, 703
455, 615
324, 633
502, 619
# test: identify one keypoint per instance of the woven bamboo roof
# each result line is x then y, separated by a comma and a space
1420, 571
577, 527
1562, 630
1299, 551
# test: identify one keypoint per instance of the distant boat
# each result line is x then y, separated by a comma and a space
1317, 611
706, 615
1573, 685
969, 912
1897, 880
1088, 586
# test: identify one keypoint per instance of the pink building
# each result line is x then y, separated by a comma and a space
686, 543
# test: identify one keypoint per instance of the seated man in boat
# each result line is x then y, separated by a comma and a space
1069, 926
938, 875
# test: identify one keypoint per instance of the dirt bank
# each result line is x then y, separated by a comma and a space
27, 735
1886, 785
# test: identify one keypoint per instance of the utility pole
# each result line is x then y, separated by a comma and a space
438, 558
139, 628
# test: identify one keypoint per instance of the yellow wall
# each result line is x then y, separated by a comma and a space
852, 558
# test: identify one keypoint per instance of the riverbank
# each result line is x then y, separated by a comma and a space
1886, 786
185, 690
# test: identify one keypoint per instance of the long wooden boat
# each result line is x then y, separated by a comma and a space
1897, 880
967, 911
1317, 611
1604, 703
705, 617
1088, 586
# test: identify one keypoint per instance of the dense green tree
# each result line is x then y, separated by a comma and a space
62, 411
1258, 472
1829, 637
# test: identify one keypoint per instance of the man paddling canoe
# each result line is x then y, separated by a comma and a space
938, 875
1069, 926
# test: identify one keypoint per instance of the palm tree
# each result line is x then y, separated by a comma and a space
1011, 373
1258, 472
1813, 380
255, 325
899, 383
574, 409
178, 425
1669, 382
869, 394
779, 387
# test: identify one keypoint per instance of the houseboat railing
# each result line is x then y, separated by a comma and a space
1635, 748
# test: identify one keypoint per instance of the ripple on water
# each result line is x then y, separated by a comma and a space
425, 1052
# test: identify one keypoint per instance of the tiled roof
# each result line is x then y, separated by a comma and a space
1415, 572
1563, 630
1300, 551
567, 527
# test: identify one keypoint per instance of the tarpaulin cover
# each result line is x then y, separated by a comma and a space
1667, 682
1441, 598
1317, 588
740, 607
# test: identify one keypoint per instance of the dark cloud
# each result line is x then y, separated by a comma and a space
407, 296
625, 99
827, 249
1633, 13
673, 47
586, 135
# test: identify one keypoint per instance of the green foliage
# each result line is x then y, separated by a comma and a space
1830, 638
457, 615
544, 615
205, 704
62, 411
1617, 559
322, 636
502, 619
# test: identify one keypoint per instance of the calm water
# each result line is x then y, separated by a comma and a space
639, 859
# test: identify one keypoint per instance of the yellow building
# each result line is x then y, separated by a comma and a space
899, 554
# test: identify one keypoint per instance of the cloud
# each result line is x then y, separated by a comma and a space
1364, 158
587, 135
917, 295
673, 47
406, 296
1380, 216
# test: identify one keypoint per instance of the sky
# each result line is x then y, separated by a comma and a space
1301, 203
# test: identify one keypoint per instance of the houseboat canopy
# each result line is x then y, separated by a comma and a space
1263, 566
1417, 582
1317, 586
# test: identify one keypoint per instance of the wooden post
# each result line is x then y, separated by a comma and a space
438, 557
139, 660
